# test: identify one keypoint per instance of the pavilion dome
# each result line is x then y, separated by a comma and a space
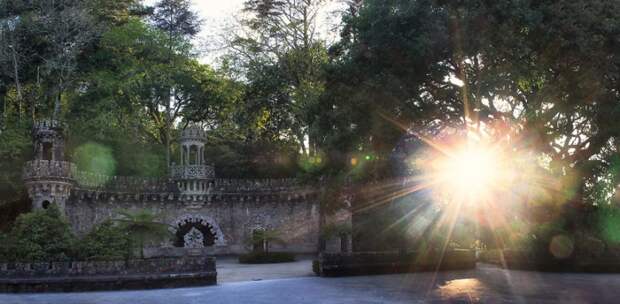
194, 133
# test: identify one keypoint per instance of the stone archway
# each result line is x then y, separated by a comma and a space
197, 231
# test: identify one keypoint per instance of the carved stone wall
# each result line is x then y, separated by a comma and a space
230, 208
192, 172
234, 215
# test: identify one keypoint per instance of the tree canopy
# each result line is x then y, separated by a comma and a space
543, 76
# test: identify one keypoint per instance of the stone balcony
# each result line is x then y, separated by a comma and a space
46, 169
192, 172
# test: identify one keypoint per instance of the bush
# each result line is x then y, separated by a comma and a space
106, 241
316, 267
42, 235
5, 251
265, 258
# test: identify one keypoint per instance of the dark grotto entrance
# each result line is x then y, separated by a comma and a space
194, 235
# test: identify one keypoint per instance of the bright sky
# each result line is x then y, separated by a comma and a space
219, 15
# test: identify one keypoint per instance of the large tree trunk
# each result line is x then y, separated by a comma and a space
17, 83
168, 122
58, 99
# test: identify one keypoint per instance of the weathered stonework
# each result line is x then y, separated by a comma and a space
107, 275
226, 211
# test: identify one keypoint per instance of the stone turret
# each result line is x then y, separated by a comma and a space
48, 178
193, 176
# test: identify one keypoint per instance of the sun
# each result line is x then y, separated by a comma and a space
472, 170
471, 173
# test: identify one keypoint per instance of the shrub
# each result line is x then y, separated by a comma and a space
265, 258
105, 241
42, 235
316, 267
5, 250
261, 240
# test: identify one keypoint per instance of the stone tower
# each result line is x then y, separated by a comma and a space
193, 176
48, 178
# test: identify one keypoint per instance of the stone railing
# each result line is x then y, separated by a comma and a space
37, 169
192, 172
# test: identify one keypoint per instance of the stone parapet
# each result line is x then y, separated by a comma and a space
107, 275
369, 263
48, 169
292, 195
255, 185
93, 181
93, 268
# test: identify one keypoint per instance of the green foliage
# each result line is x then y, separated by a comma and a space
106, 241
261, 239
5, 248
607, 224
142, 227
393, 74
11, 210
15, 149
39, 236
45, 235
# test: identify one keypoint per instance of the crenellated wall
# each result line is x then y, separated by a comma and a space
235, 215
236, 207
202, 210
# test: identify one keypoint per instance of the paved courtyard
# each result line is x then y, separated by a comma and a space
229, 270
487, 284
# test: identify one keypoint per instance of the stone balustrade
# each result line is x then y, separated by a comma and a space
40, 169
192, 172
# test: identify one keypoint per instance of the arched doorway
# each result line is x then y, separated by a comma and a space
197, 231
194, 235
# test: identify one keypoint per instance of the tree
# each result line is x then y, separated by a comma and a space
175, 19
15, 149
122, 94
280, 53
142, 226
540, 77
473, 64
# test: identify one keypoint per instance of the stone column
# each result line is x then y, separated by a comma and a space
187, 155
182, 161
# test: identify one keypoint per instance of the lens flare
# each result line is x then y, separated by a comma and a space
471, 173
